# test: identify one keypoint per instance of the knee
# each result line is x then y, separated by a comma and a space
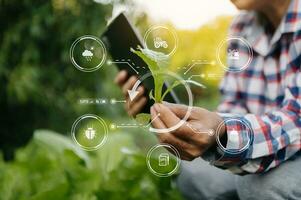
276, 184
199, 180
187, 182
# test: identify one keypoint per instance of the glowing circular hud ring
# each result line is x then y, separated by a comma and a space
250, 53
163, 27
100, 120
177, 155
232, 151
190, 101
90, 37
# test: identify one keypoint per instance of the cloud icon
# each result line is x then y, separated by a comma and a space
87, 53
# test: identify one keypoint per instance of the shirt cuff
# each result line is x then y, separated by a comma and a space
234, 146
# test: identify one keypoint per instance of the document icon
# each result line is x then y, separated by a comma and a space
163, 159
90, 133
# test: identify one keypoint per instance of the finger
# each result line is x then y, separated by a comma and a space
181, 110
137, 107
129, 85
178, 109
166, 115
130, 103
156, 123
121, 77
186, 150
139, 96
186, 158
170, 119
182, 146
140, 91
168, 138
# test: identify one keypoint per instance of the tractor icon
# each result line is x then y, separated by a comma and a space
158, 43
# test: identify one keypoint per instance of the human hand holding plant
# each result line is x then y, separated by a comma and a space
186, 139
194, 137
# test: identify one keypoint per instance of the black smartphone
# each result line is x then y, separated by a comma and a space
119, 37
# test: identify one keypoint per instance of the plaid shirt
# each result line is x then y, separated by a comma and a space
266, 95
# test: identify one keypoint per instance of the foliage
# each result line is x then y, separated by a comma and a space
39, 86
60, 170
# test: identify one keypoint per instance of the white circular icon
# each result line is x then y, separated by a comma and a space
88, 53
161, 162
237, 140
161, 39
239, 54
89, 132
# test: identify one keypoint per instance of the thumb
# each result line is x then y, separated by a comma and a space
178, 109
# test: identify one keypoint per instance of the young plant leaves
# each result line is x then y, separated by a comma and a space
156, 62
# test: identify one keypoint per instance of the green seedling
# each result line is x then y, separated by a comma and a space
157, 63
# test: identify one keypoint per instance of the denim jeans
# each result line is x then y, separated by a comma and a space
198, 180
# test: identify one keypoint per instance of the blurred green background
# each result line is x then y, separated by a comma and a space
39, 94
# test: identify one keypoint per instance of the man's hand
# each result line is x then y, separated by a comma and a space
135, 106
194, 137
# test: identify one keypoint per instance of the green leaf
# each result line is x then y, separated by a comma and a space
58, 143
151, 63
151, 96
143, 118
156, 62
58, 191
175, 84
160, 58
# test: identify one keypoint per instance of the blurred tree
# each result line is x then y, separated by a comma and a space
39, 85
201, 45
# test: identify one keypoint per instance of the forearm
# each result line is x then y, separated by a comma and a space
274, 138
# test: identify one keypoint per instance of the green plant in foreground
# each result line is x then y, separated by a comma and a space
52, 167
157, 63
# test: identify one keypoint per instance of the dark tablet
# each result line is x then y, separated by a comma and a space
119, 37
